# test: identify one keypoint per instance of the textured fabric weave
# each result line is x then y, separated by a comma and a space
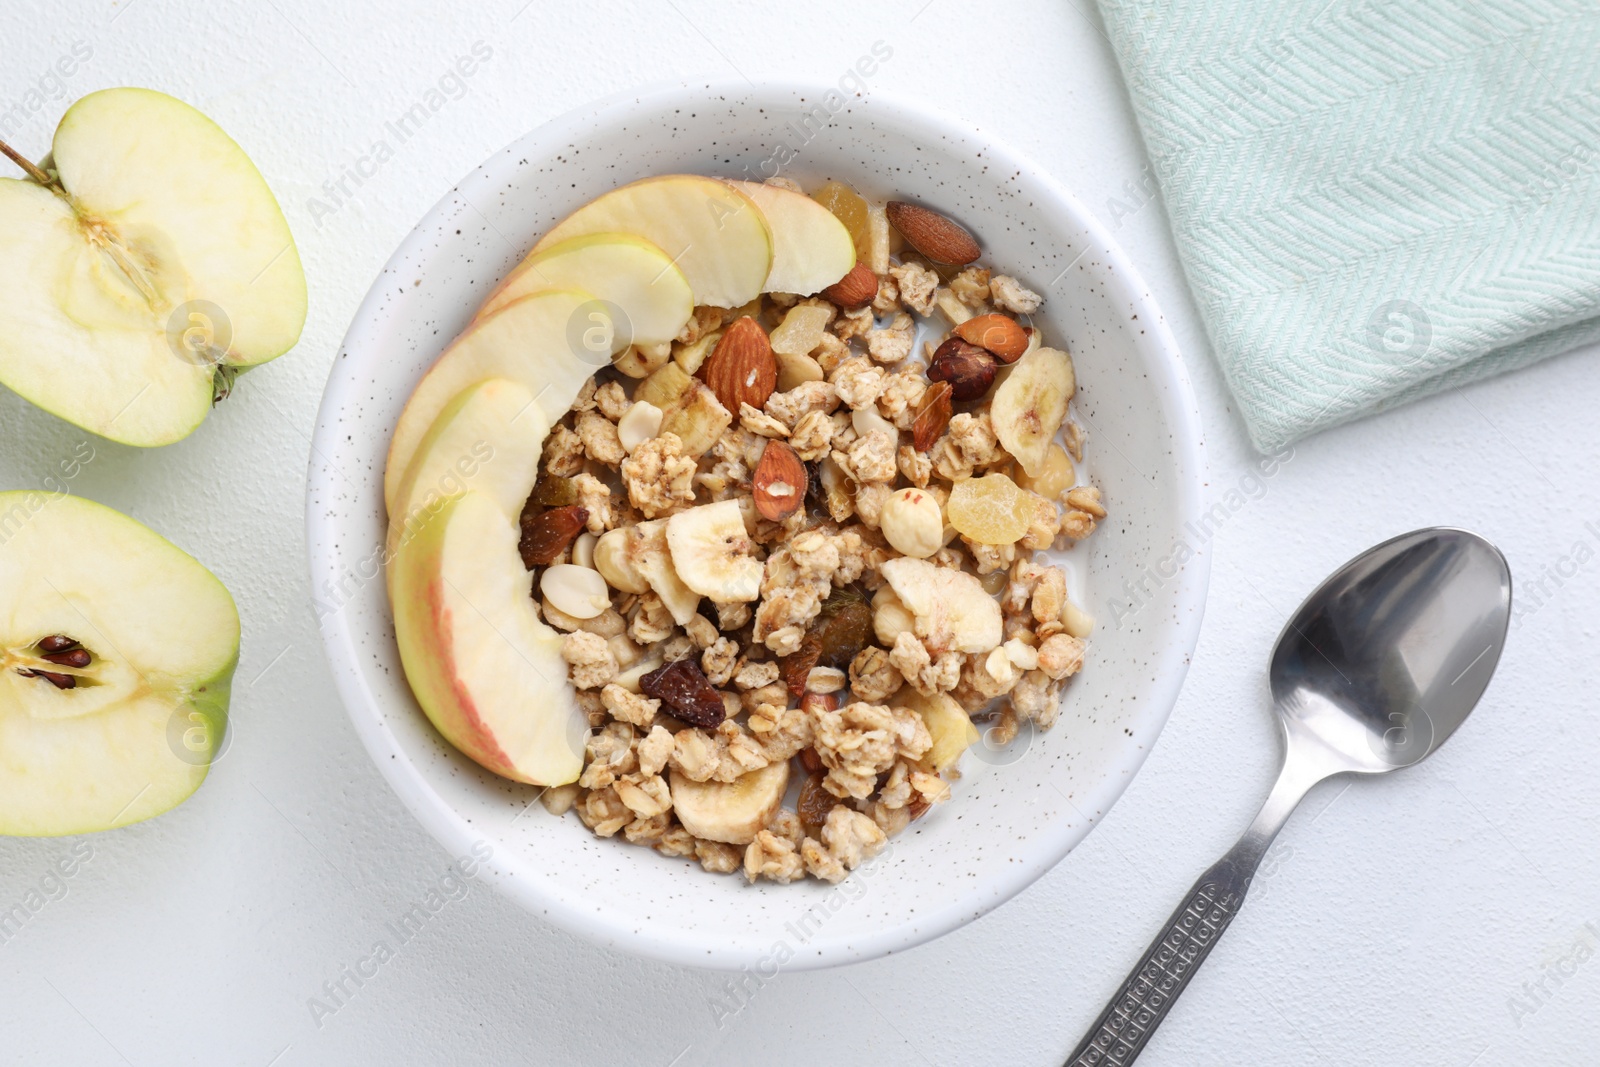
1373, 201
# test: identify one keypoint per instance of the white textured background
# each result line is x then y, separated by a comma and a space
1403, 921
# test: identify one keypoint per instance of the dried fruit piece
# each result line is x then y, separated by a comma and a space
689, 408
731, 812
712, 552
1055, 474
691, 357
848, 207
950, 607
969, 369
845, 630
998, 333
991, 510
546, 534
551, 492
933, 415
814, 804
797, 665
890, 616
842, 629
801, 330
741, 369
930, 233
854, 290
1031, 403
810, 762
948, 724
779, 483
686, 692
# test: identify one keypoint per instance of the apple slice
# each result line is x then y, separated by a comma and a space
712, 231
619, 268
487, 439
811, 249
486, 670
118, 654
540, 341
142, 275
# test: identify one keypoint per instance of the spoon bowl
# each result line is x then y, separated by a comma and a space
1388, 655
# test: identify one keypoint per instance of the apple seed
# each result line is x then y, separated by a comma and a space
60, 681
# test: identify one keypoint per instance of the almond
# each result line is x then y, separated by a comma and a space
969, 369
741, 368
1000, 335
854, 290
933, 415
547, 534
932, 234
779, 483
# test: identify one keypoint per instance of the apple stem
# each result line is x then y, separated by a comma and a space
30, 167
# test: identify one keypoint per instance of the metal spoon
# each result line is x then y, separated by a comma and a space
1375, 671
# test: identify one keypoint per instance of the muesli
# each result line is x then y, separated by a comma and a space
802, 541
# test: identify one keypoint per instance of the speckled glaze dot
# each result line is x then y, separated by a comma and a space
1016, 812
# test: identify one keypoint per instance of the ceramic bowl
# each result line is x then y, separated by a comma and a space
1017, 810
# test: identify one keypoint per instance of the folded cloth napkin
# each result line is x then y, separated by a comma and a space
1374, 200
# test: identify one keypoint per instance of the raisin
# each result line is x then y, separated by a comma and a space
547, 534
552, 492
846, 633
686, 692
814, 805
797, 665
810, 760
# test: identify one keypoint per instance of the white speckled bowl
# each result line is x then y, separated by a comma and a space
1016, 811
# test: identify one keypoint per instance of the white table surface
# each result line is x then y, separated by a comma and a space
1439, 916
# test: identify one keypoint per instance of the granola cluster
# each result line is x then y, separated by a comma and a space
826, 587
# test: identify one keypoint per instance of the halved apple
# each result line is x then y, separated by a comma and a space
811, 249
117, 652
619, 268
711, 230
145, 272
550, 341
486, 670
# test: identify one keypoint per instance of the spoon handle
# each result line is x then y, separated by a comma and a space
1150, 990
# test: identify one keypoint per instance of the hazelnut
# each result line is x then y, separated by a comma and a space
969, 369
912, 522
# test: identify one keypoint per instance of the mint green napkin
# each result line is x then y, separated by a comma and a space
1373, 201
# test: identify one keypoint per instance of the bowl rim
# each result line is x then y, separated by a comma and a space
458, 835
